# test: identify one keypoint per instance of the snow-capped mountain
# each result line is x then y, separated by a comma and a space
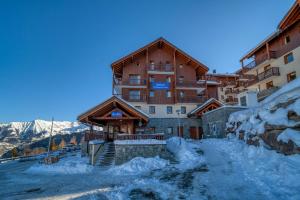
16, 133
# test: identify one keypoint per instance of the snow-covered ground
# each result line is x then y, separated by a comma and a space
207, 169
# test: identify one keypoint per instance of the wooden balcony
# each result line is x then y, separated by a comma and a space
160, 68
191, 99
273, 71
230, 100
133, 98
132, 82
192, 84
231, 91
99, 135
140, 136
260, 60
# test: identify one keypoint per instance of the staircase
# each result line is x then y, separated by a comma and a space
107, 157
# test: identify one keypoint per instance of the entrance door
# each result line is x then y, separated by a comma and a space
193, 133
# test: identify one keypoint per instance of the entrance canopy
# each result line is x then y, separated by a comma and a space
113, 110
209, 105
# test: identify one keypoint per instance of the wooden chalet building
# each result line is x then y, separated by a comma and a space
154, 90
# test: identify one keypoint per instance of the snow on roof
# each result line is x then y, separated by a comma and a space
205, 104
223, 74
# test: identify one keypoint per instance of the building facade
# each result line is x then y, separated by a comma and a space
163, 83
276, 60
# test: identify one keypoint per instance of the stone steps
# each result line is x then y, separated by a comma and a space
107, 158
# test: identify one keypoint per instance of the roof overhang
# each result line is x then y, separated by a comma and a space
209, 105
95, 115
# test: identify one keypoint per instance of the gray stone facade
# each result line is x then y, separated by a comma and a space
126, 152
214, 122
162, 124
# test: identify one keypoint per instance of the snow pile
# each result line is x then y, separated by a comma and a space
239, 171
185, 153
273, 111
290, 134
139, 165
69, 165
142, 141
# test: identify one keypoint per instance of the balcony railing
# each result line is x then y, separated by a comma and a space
265, 93
191, 99
140, 136
260, 60
273, 71
231, 91
161, 67
196, 84
94, 135
231, 100
133, 98
133, 82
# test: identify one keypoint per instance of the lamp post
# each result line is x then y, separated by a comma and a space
179, 129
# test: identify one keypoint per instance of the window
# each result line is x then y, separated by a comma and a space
134, 94
153, 129
168, 66
222, 97
152, 109
243, 101
183, 109
287, 39
269, 85
291, 76
168, 94
152, 79
181, 94
168, 79
152, 65
267, 67
151, 93
134, 79
170, 130
137, 64
138, 107
181, 78
288, 58
169, 109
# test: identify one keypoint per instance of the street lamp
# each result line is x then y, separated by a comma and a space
179, 129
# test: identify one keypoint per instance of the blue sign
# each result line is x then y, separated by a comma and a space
116, 114
160, 85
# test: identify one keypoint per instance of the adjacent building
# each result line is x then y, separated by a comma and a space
276, 60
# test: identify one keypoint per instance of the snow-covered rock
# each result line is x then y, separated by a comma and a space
278, 115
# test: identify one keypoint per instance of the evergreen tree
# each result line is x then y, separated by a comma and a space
73, 140
62, 143
14, 152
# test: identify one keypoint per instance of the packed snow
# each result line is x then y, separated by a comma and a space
69, 165
222, 169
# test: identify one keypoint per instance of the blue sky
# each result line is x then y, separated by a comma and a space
55, 55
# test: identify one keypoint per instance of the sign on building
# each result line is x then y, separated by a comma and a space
160, 85
116, 114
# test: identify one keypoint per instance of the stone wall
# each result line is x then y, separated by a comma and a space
126, 152
214, 122
162, 124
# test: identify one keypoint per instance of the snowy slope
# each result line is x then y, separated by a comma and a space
279, 114
16, 133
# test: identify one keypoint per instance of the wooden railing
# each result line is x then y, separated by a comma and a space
191, 99
133, 82
94, 135
260, 60
140, 136
161, 67
197, 84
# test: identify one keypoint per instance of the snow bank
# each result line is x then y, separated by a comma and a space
185, 152
257, 172
139, 165
290, 134
272, 111
142, 141
69, 165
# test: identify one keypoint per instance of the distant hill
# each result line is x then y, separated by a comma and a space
16, 134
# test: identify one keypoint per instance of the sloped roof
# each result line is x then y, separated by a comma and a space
205, 105
159, 41
82, 117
